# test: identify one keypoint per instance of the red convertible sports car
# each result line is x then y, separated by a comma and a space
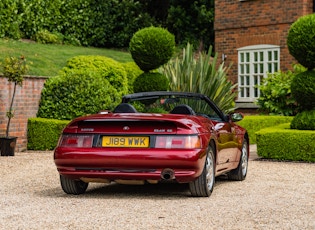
152, 137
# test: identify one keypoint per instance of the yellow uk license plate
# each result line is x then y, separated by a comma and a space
119, 141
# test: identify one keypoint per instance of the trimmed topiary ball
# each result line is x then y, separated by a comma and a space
303, 89
150, 82
304, 120
301, 40
152, 47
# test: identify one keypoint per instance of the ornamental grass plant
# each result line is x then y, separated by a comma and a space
201, 73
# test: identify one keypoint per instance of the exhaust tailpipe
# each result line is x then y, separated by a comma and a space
168, 174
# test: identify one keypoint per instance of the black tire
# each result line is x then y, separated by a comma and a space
203, 185
240, 172
71, 186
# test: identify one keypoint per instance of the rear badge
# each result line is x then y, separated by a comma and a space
87, 129
163, 130
125, 128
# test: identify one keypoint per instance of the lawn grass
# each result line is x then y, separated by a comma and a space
48, 59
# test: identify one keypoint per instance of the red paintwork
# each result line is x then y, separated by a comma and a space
147, 163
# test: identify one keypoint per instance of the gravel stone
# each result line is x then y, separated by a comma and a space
275, 195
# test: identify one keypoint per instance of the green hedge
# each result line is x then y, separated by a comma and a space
43, 134
256, 123
282, 143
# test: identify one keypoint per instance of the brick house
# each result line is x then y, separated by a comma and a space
252, 35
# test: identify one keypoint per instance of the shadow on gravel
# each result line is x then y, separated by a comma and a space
114, 190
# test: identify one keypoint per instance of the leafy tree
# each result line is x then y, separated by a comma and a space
192, 21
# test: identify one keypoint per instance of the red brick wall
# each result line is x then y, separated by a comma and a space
243, 23
25, 106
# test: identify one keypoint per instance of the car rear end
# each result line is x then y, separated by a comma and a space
132, 148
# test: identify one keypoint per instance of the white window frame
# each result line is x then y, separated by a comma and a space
254, 63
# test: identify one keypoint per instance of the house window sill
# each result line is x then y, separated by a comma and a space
246, 105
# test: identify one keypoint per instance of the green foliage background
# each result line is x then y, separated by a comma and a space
109, 23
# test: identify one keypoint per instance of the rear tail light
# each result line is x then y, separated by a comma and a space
77, 141
178, 142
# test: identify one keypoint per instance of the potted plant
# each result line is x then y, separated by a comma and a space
14, 69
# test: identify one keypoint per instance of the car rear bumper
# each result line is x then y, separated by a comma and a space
124, 164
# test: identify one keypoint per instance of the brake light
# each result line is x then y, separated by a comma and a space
77, 141
178, 142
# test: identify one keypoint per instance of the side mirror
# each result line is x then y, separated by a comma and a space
236, 117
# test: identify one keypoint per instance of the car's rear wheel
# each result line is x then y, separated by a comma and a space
71, 186
203, 185
241, 171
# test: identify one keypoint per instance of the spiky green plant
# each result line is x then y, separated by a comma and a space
201, 73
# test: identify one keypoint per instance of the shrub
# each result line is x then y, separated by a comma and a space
276, 97
46, 37
255, 123
301, 42
108, 68
304, 120
282, 143
77, 93
132, 71
9, 19
203, 74
152, 47
303, 89
43, 134
151, 82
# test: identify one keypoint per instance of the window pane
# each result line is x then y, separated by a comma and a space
247, 80
269, 56
241, 92
275, 53
275, 67
255, 68
261, 68
255, 80
255, 56
269, 68
242, 57
255, 92
261, 56
247, 68
247, 57
242, 69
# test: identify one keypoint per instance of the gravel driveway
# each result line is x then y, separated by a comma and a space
275, 195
